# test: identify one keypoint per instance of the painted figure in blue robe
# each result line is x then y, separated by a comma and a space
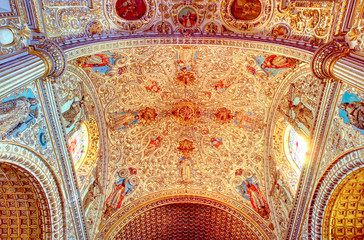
100, 62
352, 111
123, 119
251, 191
17, 113
120, 189
215, 142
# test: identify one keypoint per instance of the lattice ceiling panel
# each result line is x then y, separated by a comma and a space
24, 212
186, 221
347, 216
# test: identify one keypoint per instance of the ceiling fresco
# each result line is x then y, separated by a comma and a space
175, 113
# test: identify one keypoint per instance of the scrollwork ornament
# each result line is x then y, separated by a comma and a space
132, 25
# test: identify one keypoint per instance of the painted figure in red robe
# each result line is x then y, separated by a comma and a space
274, 61
116, 196
130, 9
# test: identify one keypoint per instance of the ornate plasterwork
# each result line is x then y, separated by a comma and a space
284, 181
300, 21
245, 214
355, 37
93, 108
30, 161
308, 21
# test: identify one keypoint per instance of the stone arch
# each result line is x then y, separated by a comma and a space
328, 188
38, 169
238, 210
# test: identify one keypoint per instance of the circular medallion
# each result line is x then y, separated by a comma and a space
246, 10
130, 9
187, 17
185, 113
246, 15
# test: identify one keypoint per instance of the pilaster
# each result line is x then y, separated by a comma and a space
72, 194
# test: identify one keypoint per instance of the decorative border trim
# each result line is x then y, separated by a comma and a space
303, 53
237, 209
25, 158
328, 187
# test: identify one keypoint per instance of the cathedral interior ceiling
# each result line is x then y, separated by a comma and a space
192, 95
174, 113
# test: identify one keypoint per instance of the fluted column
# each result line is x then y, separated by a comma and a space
335, 60
43, 59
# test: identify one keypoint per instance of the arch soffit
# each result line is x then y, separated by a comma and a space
329, 186
237, 209
98, 115
25, 158
303, 53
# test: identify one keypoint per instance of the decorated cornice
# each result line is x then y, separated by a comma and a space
85, 47
237, 209
58, 133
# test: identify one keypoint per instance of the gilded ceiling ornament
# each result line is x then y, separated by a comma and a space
94, 28
186, 147
186, 113
186, 78
164, 27
211, 28
281, 30
223, 115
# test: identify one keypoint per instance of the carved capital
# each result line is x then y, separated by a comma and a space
52, 55
325, 58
